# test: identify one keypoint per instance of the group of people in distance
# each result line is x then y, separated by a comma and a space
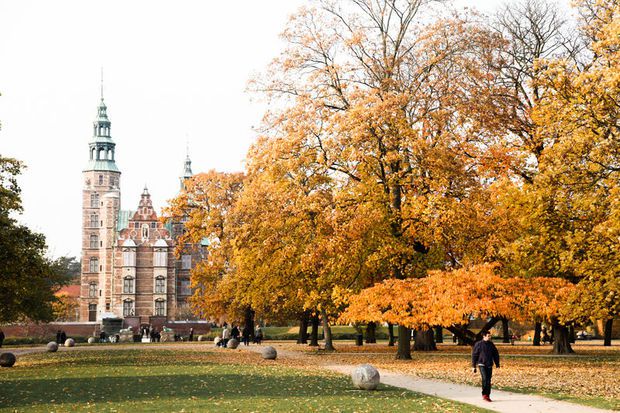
245, 335
61, 337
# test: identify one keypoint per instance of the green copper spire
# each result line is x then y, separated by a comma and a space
101, 147
187, 169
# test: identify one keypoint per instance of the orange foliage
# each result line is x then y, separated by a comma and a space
447, 298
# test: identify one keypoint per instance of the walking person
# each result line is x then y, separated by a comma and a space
63, 338
1, 337
258, 334
483, 356
191, 334
245, 335
234, 333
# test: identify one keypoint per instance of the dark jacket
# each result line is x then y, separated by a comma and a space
484, 353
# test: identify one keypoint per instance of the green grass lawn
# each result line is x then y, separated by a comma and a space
111, 380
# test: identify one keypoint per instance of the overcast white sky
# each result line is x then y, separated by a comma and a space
173, 71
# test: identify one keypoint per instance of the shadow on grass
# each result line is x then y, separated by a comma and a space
217, 384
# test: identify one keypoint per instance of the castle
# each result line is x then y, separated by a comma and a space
129, 268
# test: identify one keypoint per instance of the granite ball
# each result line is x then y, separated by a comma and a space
269, 353
232, 343
92, 340
69, 342
217, 340
202, 338
365, 377
7, 359
52, 347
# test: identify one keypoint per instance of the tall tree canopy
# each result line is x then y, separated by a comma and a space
28, 279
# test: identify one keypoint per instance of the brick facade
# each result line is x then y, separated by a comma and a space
128, 264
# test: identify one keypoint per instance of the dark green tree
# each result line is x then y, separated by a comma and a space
28, 279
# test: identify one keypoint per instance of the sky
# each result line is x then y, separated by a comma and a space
175, 75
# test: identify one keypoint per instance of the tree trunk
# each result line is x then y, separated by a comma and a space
571, 334
390, 335
314, 333
537, 332
303, 329
505, 331
327, 332
466, 336
607, 332
424, 340
404, 343
371, 330
561, 339
248, 322
438, 335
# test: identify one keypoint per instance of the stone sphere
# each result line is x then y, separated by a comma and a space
232, 343
52, 347
217, 340
365, 377
91, 340
69, 342
7, 359
269, 353
202, 338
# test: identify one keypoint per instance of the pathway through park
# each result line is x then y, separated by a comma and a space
503, 401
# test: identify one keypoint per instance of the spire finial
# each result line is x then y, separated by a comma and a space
102, 83
186, 146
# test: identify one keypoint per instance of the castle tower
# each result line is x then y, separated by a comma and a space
100, 207
187, 171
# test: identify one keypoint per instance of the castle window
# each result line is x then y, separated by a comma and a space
94, 200
153, 225
128, 308
160, 258
160, 285
100, 179
160, 308
92, 312
128, 285
186, 262
129, 258
112, 181
145, 231
94, 220
92, 290
93, 264
94, 241
185, 287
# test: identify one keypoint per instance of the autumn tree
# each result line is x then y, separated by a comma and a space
451, 298
581, 170
393, 107
204, 208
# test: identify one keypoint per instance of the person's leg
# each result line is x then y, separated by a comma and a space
486, 373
